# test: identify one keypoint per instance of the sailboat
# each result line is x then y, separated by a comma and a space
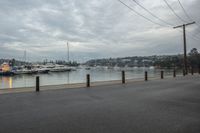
62, 68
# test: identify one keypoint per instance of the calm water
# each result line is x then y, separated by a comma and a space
78, 76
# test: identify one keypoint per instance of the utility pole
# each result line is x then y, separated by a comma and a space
184, 44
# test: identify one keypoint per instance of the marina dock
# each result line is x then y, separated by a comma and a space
169, 105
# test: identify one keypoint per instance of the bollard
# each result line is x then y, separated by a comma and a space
88, 80
183, 72
192, 71
174, 73
199, 70
37, 84
186, 71
123, 77
161, 74
146, 76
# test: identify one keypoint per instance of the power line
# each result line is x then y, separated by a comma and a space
174, 12
139, 13
194, 37
149, 19
186, 14
190, 36
151, 13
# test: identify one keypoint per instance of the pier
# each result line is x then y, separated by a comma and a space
169, 105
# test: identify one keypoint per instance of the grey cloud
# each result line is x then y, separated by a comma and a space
94, 28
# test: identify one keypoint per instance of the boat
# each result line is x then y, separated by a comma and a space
42, 70
60, 68
87, 68
24, 71
6, 73
151, 67
5, 70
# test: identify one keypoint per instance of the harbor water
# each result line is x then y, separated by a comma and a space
78, 76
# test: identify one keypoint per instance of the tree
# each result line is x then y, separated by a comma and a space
193, 51
194, 58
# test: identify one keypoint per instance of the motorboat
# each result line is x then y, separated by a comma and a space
5, 70
60, 68
6, 73
42, 70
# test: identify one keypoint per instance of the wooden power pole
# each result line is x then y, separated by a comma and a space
184, 44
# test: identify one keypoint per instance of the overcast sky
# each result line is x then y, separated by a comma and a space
93, 28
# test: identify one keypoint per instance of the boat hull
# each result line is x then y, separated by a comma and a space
43, 71
6, 73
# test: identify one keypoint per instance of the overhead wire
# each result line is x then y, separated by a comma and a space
139, 13
152, 14
186, 14
169, 24
148, 18
180, 18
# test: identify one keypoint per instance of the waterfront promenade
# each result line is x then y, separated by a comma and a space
159, 106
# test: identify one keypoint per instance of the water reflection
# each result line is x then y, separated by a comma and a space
78, 76
6, 82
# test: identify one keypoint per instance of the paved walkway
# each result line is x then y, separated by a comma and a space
159, 106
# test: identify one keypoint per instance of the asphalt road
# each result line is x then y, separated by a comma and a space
161, 106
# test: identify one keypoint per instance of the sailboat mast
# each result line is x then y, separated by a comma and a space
24, 55
68, 52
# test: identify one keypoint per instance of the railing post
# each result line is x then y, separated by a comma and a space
161, 74
123, 77
88, 80
37, 87
174, 73
192, 71
146, 76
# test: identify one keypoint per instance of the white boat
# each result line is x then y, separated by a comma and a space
25, 71
60, 69
42, 70
151, 67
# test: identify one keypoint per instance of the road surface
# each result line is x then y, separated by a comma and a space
159, 106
